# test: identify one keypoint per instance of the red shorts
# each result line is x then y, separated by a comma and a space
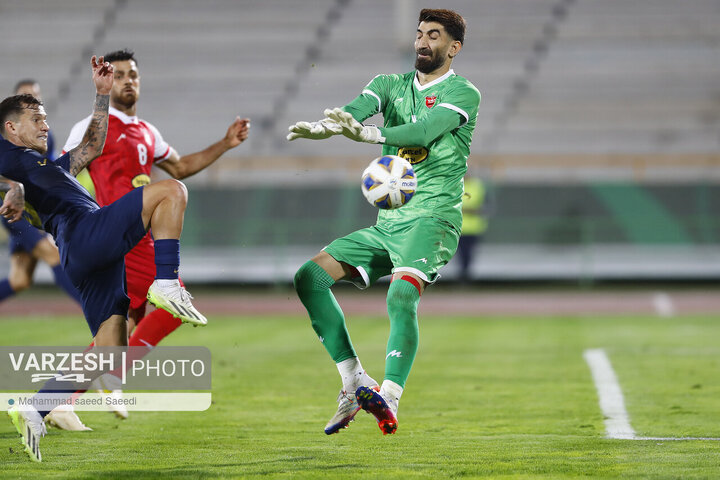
140, 273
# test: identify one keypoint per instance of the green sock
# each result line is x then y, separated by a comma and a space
402, 302
312, 284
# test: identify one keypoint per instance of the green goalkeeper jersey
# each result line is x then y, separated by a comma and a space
431, 126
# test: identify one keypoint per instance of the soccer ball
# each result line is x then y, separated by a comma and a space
389, 182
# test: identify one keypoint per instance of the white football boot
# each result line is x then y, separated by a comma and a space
348, 407
65, 418
173, 298
30, 425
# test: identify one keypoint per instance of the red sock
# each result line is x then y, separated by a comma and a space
154, 327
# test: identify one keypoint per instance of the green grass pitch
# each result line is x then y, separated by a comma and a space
502, 397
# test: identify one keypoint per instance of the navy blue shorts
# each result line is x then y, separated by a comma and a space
23, 237
93, 256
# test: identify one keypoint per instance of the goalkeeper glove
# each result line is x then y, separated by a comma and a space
319, 130
353, 129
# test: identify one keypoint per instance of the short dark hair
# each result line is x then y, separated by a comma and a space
23, 82
13, 106
120, 55
453, 22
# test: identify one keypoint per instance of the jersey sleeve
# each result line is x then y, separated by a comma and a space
422, 133
372, 100
464, 100
457, 108
76, 134
162, 148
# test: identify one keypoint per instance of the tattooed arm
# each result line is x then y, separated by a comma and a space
91, 146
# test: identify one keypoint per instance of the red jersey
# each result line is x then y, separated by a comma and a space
131, 147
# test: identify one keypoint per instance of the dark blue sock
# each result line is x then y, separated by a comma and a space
62, 280
167, 258
6, 290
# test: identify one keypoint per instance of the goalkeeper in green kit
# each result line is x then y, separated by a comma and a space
429, 117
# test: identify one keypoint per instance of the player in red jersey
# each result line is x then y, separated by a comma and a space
132, 147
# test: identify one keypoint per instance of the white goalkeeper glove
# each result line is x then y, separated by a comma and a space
353, 129
319, 130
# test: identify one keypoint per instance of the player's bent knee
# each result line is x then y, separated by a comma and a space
311, 277
165, 189
303, 278
399, 302
177, 190
402, 299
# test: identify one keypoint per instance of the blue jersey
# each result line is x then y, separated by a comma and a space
52, 191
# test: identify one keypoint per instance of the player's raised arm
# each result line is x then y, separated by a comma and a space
181, 167
13, 194
93, 141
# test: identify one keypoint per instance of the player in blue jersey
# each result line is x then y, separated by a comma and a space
28, 245
92, 241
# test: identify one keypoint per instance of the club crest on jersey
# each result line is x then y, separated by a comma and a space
140, 180
414, 155
430, 101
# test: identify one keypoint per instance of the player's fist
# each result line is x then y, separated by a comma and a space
102, 74
237, 132
13, 202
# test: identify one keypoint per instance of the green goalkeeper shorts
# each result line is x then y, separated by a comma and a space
420, 247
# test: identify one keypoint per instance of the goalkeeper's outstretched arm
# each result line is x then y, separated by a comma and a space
419, 134
425, 131
362, 107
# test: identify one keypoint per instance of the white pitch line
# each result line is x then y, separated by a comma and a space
612, 403
677, 439
663, 305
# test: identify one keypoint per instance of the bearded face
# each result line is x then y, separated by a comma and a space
126, 87
427, 60
434, 47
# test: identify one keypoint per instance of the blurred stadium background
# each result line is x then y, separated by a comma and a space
598, 134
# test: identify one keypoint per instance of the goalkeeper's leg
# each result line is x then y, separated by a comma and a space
312, 283
402, 302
